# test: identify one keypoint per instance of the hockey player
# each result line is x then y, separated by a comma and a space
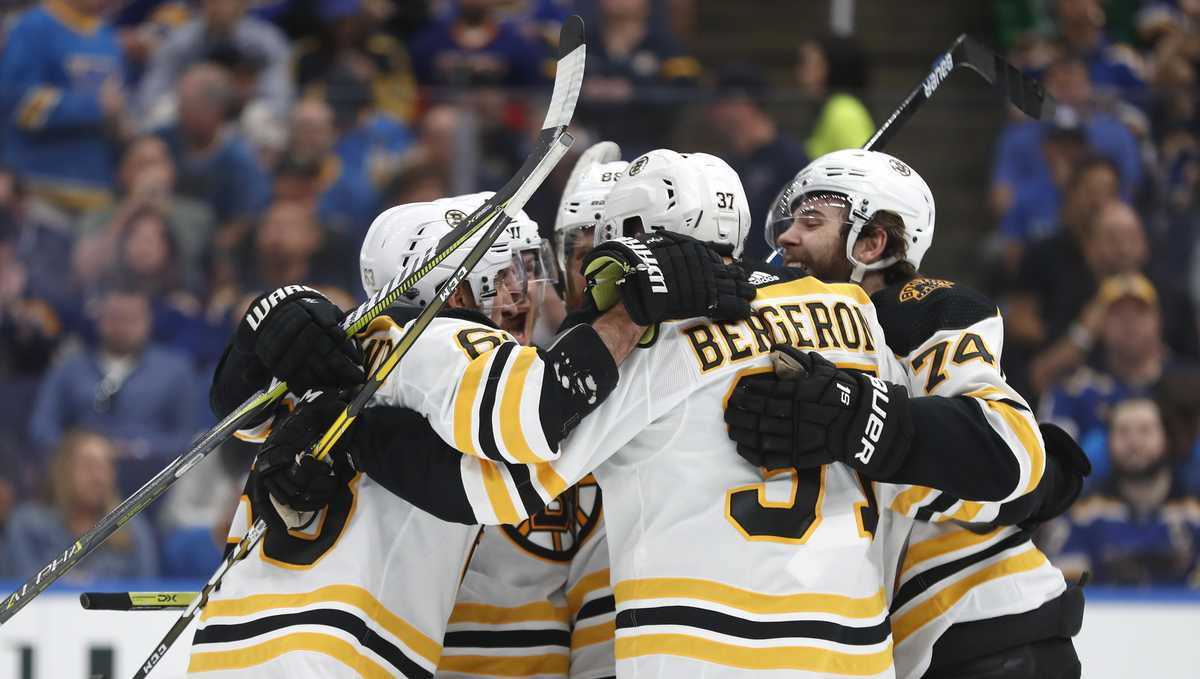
580, 210
716, 569
965, 604
535, 600
364, 588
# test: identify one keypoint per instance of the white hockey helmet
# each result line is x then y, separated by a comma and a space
870, 182
695, 194
402, 237
582, 204
523, 236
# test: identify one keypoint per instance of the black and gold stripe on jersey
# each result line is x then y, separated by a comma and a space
929, 593
349, 623
592, 605
510, 641
717, 623
385, 645
515, 404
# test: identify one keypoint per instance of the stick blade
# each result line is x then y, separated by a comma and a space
570, 36
1021, 90
568, 77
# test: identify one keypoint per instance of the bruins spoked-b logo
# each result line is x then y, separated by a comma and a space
454, 217
556, 532
638, 165
899, 167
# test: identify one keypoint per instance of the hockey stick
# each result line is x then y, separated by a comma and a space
135, 601
243, 548
567, 83
556, 141
1022, 91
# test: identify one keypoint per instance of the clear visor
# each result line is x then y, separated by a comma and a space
540, 271
506, 291
573, 245
791, 208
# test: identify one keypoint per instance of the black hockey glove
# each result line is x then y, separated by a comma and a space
664, 276
295, 478
810, 413
294, 331
1066, 468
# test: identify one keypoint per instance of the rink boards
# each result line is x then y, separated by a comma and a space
1126, 633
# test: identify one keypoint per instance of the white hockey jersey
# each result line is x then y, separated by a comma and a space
536, 601
368, 589
950, 341
718, 569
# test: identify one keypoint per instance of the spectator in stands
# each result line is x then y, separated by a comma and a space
1133, 358
1175, 394
416, 182
147, 182
638, 75
1111, 66
291, 246
1140, 528
222, 32
1058, 309
30, 327
763, 156
1037, 210
62, 102
833, 72
144, 254
473, 47
1021, 165
370, 141
82, 486
346, 200
349, 39
212, 164
1052, 282
136, 393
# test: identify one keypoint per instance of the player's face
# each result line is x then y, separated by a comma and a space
511, 309
580, 244
814, 240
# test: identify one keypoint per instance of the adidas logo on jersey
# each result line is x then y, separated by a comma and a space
658, 282
259, 312
762, 278
879, 396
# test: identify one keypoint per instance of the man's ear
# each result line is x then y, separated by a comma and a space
462, 298
870, 245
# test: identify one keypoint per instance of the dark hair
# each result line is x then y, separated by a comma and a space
897, 245
847, 63
123, 278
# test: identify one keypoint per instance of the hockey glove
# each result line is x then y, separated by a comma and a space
1069, 466
288, 473
664, 276
295, 332
809, 413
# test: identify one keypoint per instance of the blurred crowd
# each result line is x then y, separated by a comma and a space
1096, 268
163, 162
